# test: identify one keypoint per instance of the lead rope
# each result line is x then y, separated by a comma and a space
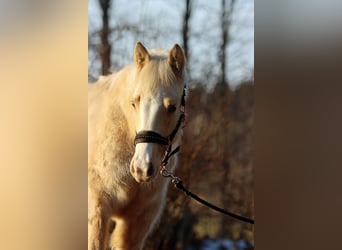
178, 182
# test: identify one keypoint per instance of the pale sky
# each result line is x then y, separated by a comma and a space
165, 18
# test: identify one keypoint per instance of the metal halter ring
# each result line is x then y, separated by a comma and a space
167, 174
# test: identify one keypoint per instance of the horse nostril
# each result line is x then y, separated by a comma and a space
150, 170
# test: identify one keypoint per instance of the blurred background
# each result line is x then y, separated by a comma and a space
216, 154
297, 146
217, 36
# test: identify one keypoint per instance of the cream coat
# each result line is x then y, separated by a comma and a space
119, 189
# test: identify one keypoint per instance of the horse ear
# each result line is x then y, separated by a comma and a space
177, 60
141, 55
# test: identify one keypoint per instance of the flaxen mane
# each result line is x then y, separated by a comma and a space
123, 180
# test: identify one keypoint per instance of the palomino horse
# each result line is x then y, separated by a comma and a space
134, 115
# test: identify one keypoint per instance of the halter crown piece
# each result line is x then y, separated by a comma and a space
148, 136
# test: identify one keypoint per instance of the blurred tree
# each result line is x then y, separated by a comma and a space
203, 29
226, 17
185, 31
105, 47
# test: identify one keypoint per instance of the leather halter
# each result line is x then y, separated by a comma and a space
148, 136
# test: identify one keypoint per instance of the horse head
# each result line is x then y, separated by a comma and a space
157, 105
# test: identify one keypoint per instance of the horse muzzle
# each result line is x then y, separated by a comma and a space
145, 161
142, 172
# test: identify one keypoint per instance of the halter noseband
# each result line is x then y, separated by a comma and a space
148, 136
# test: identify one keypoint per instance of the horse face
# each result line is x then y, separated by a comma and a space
155, 105
159, 113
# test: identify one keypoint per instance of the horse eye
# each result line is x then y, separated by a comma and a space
135, 101
133, 104
171, 108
